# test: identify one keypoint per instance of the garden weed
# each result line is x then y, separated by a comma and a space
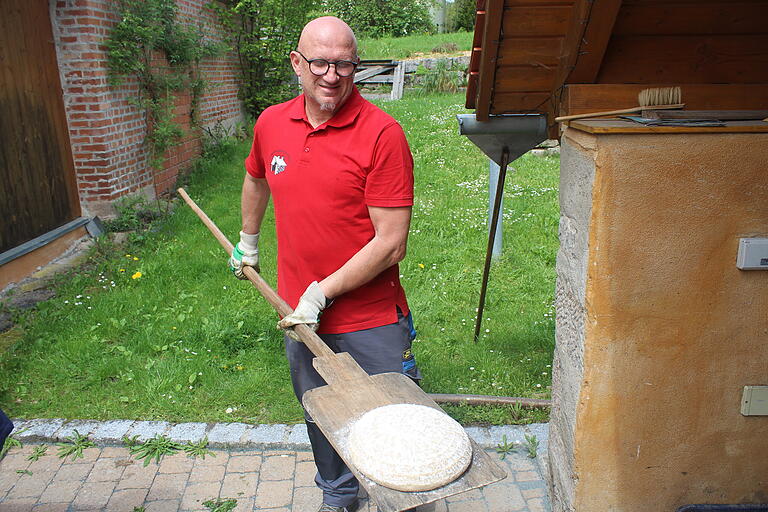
440, 79
220, 505
23, 472
38, 452
155, 448
10, 442
198, 449
505, 447
532, 445
132, 441
74, 446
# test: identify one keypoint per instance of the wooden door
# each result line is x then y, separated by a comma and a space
38, 191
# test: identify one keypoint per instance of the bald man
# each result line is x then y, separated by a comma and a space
340, 174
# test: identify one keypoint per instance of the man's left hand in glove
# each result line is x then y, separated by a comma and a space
311, 304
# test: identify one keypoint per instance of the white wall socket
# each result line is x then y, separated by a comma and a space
753, 254
754, 401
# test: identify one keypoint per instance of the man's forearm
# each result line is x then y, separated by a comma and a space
375, 257
387, 247
254, 200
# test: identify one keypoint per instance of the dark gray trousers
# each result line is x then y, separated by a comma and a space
377, 350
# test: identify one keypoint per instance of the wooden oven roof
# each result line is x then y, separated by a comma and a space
562, 57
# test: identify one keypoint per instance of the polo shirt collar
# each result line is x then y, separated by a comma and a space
343, 117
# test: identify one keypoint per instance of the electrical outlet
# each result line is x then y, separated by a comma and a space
754, 401
753, 254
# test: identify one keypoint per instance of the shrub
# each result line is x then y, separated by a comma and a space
461, 15
263, 33
378, 18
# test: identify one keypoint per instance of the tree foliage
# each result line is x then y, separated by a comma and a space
378, 18
263, 33
461, 15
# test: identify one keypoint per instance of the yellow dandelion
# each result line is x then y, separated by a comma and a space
127, 255
122, 270
421, 265
174, 328
239, 367
136, 275
135, 258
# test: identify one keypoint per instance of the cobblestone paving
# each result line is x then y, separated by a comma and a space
264, 480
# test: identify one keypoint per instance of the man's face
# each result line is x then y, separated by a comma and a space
329, 91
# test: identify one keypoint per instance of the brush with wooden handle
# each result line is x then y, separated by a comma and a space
660, 98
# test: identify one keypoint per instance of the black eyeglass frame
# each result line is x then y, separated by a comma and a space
328, 65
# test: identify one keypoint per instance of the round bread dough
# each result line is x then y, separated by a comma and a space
409, 447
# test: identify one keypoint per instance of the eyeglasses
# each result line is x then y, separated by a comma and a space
320, 67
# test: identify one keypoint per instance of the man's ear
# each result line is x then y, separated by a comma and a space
296, 63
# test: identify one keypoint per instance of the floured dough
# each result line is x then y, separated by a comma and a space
409, 447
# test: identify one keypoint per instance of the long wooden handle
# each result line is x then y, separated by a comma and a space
614, 112
307, 335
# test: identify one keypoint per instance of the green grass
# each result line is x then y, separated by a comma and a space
398, 48
187, 341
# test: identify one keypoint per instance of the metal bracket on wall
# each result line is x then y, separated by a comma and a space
503, 139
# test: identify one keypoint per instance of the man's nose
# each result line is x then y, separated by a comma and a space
331, 75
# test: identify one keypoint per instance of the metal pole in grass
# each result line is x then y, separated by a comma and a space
491, 237
493, 183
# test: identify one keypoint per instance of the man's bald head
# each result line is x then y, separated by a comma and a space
325, 32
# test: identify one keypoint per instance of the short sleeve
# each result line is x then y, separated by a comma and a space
254, 163
390, 180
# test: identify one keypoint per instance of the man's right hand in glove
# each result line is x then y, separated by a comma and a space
245, 253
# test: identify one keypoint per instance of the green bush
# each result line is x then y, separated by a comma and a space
263, 33
461, 15
379, 18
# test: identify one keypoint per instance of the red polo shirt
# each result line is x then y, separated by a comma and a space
322, 181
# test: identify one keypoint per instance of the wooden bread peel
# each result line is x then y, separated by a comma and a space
351, 392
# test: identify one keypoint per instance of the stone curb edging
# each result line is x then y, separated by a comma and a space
229, 435
241, 436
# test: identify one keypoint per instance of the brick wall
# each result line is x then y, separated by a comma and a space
107, 131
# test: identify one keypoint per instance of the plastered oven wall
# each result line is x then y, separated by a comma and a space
657, 330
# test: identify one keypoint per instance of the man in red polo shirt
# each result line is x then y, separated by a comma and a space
340, 174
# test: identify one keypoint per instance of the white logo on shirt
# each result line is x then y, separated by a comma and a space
278, 164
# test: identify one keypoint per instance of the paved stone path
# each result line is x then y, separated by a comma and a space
262, 476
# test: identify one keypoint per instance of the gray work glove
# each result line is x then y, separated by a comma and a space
245, 253
311, 304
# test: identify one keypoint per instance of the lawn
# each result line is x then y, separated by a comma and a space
161, 330
421, 45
